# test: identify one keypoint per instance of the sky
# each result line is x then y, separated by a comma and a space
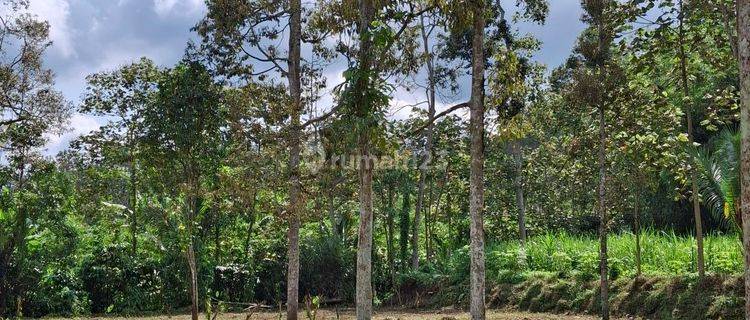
91, 36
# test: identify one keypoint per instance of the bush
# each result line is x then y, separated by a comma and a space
59, 292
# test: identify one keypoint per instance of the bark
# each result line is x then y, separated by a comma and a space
743, 25
404, 227
428, 214
217, 237
637, 231
428, 135
417, 221
364, 241
689, 117
518, 161
295, 34
193, 281
192, 265
389, 237
476, 178
603, 224
133, 204
604, 219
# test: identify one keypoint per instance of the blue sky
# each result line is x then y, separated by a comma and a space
96, 35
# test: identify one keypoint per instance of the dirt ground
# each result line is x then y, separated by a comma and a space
381, 315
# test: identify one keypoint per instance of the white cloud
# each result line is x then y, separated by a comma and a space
166, 7
56, 12
80, 124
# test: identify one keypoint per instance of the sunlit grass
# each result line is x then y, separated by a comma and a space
662, 253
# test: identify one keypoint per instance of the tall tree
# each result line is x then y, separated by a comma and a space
476, 176
182, 128
30, 107
295, 90
122, 95
361, 91
743, 26
695, 197
226, 30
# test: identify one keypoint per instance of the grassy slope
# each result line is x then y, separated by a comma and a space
557, 273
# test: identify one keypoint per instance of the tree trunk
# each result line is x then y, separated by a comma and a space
428, 215
603, 224
518, 160
133, 204
476, 178
404, 227
364, 241
193, 281
688, 115
637, 230
192, 265
743, 26
295, 34
426, 157
389, 237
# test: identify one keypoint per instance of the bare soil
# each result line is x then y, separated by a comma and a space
381, 315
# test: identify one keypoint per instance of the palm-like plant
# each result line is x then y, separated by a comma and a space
718, 169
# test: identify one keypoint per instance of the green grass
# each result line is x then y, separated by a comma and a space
662, 253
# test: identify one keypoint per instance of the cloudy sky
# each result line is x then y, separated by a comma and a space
95, 35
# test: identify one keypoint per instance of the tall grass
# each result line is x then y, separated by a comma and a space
662, 253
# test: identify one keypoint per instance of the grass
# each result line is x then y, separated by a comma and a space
662, 253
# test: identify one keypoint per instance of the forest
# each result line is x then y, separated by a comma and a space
254, 178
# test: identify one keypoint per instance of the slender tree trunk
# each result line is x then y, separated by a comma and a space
248, 236
603, 225
364, 241
743, 26
518, 160
133, 203
404, 227
452, 237
217, 237
637, 231
295, 34
688, 115
428, 215
389, 237
476, 178
193, 280
192, 265
428, 134
603, 46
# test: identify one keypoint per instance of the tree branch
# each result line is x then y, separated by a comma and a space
438, 116
321, 117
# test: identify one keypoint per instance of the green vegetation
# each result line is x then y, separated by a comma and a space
664, 254
247, 174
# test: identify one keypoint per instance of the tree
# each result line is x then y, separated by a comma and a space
691, 138
225, 30
30, 107
594, 88
181, 127
123, 95
743, 25
476, 178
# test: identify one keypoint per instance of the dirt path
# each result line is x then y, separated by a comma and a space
383, 315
